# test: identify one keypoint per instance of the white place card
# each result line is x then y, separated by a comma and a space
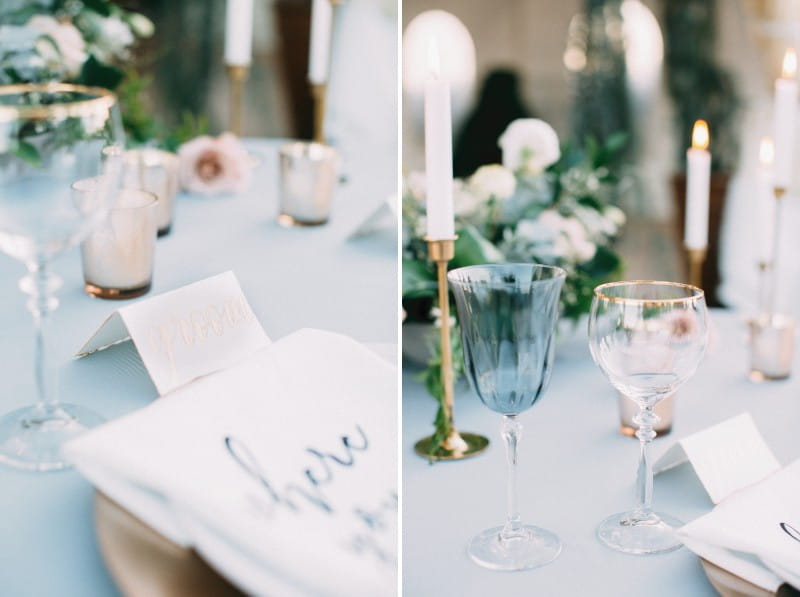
383, 216
726, 457
186, 333
281, 470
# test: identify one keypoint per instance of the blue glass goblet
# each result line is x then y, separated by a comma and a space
508, 315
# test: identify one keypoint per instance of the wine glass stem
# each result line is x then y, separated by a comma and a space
39, 284
512, 432
645, 420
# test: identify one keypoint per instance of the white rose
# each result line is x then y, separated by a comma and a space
71, 47
415, 184
493, 181
616, 215
141, 25
114, 37
465, 202
570, 236
535, 231
530, 145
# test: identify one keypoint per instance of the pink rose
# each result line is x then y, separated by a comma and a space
213, 165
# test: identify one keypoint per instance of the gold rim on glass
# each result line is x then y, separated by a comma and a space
100, 99
696, 293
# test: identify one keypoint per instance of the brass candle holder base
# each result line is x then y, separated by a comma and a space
456, 446
237, 75
475, 444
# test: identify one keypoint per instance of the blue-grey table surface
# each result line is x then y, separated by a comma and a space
293, 278
575, 469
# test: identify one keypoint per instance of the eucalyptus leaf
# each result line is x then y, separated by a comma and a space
28, 153
473, 249
418, 280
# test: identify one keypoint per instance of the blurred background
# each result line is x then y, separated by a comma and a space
645, 67
185, 62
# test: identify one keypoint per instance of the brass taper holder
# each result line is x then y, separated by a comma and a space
771, 291
697, 258
319, 93
237, 75
455, 445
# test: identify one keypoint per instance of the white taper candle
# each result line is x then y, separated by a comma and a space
319, 52
698, 180
785, 120
239, 32
438, 151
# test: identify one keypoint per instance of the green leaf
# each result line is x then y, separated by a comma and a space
616, 142
473, 249
103, 7
28, 153
95, 73
418, 279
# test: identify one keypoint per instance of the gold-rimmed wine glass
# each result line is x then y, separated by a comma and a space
648, 338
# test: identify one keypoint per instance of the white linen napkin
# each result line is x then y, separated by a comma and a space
754, 533
282, 469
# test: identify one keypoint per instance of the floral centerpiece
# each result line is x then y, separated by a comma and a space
545, 204
88, 42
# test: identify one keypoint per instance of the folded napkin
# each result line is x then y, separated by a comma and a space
754, 533
281, 470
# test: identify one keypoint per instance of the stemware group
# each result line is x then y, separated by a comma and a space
647, 337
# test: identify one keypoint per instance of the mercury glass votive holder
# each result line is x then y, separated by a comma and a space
308, 176
118, 256
771, 347
155, 171
628, 409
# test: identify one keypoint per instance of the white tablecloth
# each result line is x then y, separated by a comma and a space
293, 278
574, 470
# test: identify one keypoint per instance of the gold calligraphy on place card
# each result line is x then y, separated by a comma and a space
186, 333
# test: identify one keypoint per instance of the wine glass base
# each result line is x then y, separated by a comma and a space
628, 533
534, 547
31, 439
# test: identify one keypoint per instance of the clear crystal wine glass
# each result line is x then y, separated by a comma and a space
507, 315
51, 136
648, 338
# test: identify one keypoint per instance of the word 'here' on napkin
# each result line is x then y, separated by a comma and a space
186, 333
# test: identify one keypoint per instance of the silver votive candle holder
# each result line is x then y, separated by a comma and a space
771, 347
117, 257
155, 171
628, 409
308, 176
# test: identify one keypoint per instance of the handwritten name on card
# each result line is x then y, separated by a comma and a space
186, 333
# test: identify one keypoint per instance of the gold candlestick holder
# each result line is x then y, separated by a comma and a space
237, 76
771, 270
455, 445
697, 258
319, 93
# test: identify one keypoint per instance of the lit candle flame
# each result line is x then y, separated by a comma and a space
789, 64
700, 135
766, 151
434, 62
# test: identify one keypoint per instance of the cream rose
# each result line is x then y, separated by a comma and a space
492, 181
71, 49
529, 145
